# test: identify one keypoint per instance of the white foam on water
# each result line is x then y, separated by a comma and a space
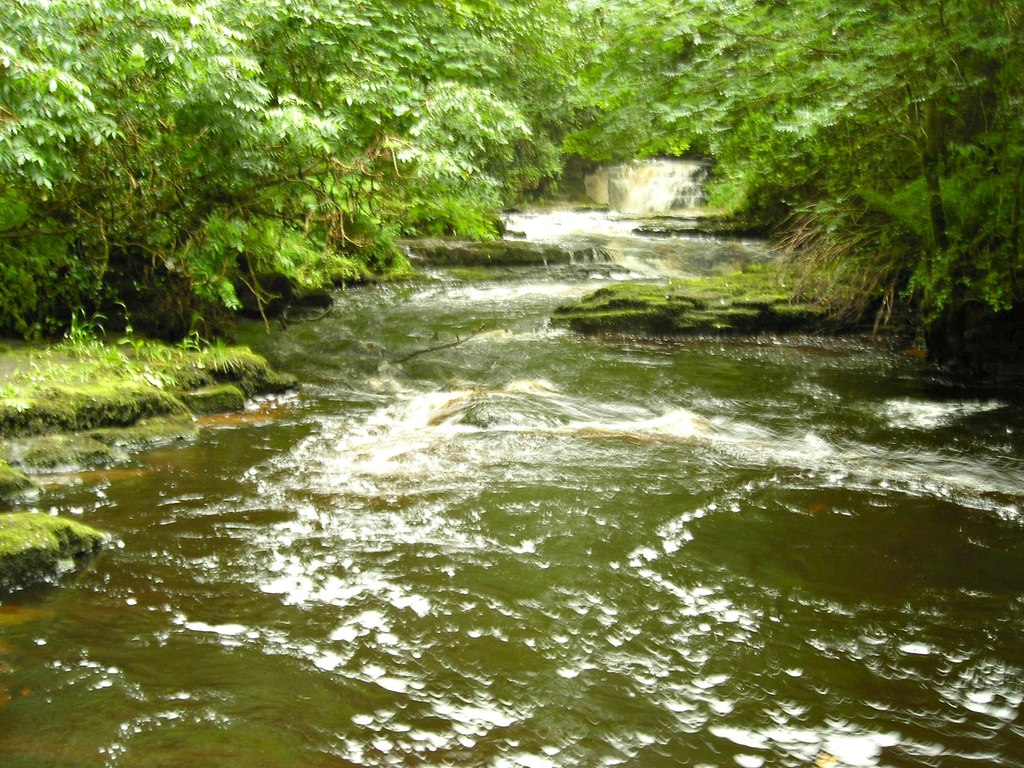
904, 413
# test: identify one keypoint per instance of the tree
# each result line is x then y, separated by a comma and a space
166, 152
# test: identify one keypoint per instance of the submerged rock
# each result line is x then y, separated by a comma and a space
59, 450
754, 300
36, 547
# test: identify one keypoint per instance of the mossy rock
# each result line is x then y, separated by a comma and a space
59, 450
719, 226
12, 481
220, 398
147, 432
105, 390
37, 547
752, 301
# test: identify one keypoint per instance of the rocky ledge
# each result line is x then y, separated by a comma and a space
500, 253
709, 225
751, 301
50, 391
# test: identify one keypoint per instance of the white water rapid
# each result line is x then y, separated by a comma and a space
649, 187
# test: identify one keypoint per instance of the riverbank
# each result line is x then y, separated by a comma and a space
85, 404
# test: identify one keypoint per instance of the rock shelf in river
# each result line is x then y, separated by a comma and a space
754, 300
501, 253
65, 408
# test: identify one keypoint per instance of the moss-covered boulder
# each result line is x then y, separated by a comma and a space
73, 405
755, 300
718, 226
37, 547
242, 367
220, 398
44, 390
11, 480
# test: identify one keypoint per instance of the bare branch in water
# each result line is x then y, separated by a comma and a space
439, 347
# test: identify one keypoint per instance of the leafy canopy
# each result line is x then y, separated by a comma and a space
188, 147
887, 133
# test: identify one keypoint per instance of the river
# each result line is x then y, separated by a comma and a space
472, 539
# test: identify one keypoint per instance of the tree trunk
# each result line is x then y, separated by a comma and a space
946, 337
931, 158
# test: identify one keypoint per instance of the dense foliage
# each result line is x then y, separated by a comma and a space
887, 135
167, 154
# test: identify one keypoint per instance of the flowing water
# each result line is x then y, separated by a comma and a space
474, 540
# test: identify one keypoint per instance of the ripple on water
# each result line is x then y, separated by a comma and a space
471, 614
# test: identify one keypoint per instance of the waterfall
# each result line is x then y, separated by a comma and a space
650, 186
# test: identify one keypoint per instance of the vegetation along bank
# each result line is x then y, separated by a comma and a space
177, 157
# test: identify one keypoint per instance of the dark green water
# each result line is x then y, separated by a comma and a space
538, 550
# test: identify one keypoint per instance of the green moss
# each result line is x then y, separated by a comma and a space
36, 547
245, 369
754, 300
76, 408
220, 398
11, 480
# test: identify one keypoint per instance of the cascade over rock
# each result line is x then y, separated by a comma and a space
649, 187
